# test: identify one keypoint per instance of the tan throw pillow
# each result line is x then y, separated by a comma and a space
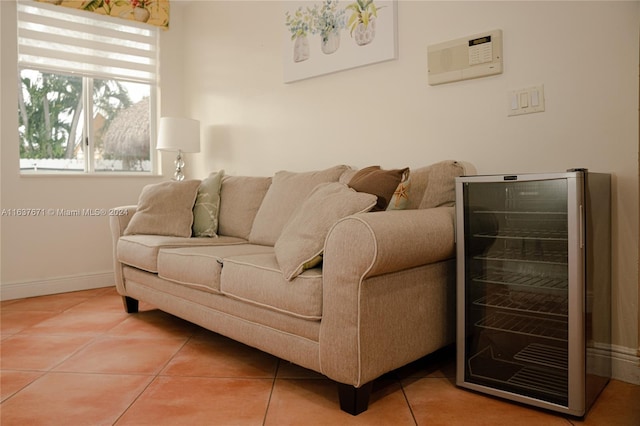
381, 183
302, 240
287, 191
207, 206
165, 208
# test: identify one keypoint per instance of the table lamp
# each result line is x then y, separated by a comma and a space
178, 134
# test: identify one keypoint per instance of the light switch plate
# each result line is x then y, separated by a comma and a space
526, 101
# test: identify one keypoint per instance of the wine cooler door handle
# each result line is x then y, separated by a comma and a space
581, 224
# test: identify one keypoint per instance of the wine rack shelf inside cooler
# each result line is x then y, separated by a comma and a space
552, 257
522, 280
549, 380
544, 355
526, 234
527, 325
526, 302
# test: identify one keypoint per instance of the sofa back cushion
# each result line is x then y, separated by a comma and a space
441, 184
434, 185
240, 199
287, 191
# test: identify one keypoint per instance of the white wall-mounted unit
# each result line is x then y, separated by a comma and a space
475, 56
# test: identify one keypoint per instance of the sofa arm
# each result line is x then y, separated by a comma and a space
391, 241
118, 223
388, 292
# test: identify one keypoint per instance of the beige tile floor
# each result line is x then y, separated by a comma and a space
78, 359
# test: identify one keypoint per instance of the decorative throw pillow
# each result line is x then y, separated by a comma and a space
165, 208
207, 206
400, 198
381, 183
302, 240
287, 191
441, 184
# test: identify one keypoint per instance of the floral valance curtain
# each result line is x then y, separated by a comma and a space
154, 12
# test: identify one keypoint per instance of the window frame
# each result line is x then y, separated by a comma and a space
147, 73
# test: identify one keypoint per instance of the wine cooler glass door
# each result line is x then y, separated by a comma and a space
516, 287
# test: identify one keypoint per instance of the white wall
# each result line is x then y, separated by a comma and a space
585, 54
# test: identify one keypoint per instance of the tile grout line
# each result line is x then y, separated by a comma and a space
406, 398
47, 372
92, 339
161, 369
273, 387
154, 378
8, 398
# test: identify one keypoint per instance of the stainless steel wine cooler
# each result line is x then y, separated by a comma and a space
533, 287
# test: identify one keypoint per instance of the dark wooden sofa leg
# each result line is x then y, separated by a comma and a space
130, 305
354, 400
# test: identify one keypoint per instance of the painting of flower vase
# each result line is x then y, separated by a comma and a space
327, 36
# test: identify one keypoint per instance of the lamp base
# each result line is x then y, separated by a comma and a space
178, 176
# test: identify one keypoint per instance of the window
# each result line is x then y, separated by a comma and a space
87, 92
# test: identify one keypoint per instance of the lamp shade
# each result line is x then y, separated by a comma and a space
179, 134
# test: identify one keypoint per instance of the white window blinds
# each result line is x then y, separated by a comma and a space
82, 43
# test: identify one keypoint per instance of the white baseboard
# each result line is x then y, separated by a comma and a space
20, 290
625, 364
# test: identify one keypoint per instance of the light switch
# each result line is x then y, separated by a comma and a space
514, 101
535, 98
526, 101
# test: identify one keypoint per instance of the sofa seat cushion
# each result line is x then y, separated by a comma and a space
257, 279
141, 251
200, 267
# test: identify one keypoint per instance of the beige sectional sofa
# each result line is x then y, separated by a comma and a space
381, 296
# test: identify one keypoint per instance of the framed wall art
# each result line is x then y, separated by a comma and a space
325, 36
